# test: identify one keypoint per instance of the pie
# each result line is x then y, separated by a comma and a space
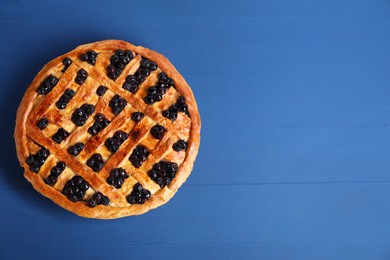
108, 130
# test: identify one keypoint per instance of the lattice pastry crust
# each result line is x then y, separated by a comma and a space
108, 130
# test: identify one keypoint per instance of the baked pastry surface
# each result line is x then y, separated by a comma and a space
108, 130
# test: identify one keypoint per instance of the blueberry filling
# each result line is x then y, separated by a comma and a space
66, 62
60, 135
180, 146
89, 57
65, 98
163, 173
54, 173
118, 62
47, 85
138, 156
42, 123
133, 81
138, 195
82, 75
95, 162
76, 149
100, 123
117, 103
156, 93
35, 161
101, 90
117, 177
157, 131
75, 188
179, 106
114, 142
80, 115
97, 199
137, 116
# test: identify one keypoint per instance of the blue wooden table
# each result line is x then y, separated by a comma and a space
295, 103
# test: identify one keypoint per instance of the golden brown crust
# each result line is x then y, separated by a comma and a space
31, 109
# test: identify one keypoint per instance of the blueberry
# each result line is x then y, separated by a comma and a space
137, 116
147, 64
35, 169
55, 171
73, 150
163, 172
179, 106
149, 100
146, 194
120, 52
88, 109
117, 177
79, 146
129, 54
51, 180
47, 85
157, 131
110, 180
67, 62
117, 103
138, 156
42, 123
92, 203
139, 77
101, 90
91, 57
162, 76
74, 189
83, 57
155, 93
123, 60
105, 201
121, 136
133, 88
114, 59
152, 91
161, 91
110, 69
138, 195
111, 145
81, 76
170, 114
84, 186
76, 149
95, 162
114, 142
30, 160
153, 66
126, 85
144, 72
131, 79
135, 161
170, 82
137, 187
80, 115
78, 180
179, 145
100, 123
118, 61
65, 98
60, 135
61, 165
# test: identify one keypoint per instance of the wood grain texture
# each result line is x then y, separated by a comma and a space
295, 104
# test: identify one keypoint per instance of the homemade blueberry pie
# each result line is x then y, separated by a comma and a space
108, 130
